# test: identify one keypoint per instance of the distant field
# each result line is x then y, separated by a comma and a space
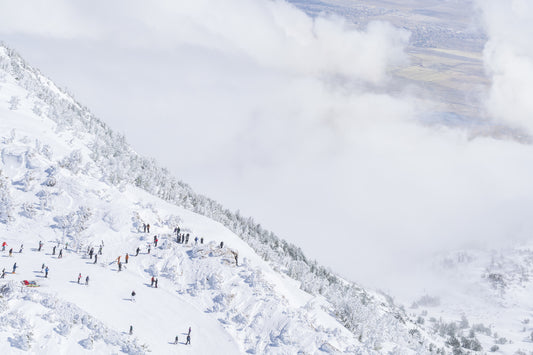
445, 48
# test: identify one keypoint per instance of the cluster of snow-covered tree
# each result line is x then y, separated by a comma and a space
114, 161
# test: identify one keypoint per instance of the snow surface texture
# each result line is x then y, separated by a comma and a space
56, 188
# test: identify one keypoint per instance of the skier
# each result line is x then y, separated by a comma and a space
156, 280
221, 245
14, 268
46, 272
87, 280
42, 268
149, 246
188, 340
79, 278
131, 329
148, 228
189, 331
155, 238
144, 227
155, 241
54, 250
40, 245
196, 241
95, 258
176, 340
91, 253
153, 280
66, 246
118, 259
119, 266
100, 250
138, 250
11, 252
133, 296
21, 247
3, 273
187, 239
127, 257
4, 244
236, 259
202, 240
60, 256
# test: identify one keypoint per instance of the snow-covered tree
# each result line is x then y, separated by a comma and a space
6, 202
14, 103
72, 162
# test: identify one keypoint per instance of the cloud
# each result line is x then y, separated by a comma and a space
508, 58
293, 120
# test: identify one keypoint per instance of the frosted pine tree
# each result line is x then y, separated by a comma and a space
6, 202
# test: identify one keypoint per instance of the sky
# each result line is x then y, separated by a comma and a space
291, 120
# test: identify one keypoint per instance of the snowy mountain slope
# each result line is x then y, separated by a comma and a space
66, 178
482, 294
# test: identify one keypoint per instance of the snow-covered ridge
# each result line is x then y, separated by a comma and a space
67, 178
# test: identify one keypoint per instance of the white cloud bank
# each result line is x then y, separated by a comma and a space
291, 120
508, 57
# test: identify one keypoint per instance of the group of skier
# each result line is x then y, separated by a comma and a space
188, 342
146, 228
154, 282
86, 279
182, 238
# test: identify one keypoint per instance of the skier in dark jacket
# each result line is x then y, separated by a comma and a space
148, 228
155, 282
60, 256
119, 266
176, 340
133, 296
188, 340
95, 258
14, 267
137, 251
131, 329
54, 250
87, 280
